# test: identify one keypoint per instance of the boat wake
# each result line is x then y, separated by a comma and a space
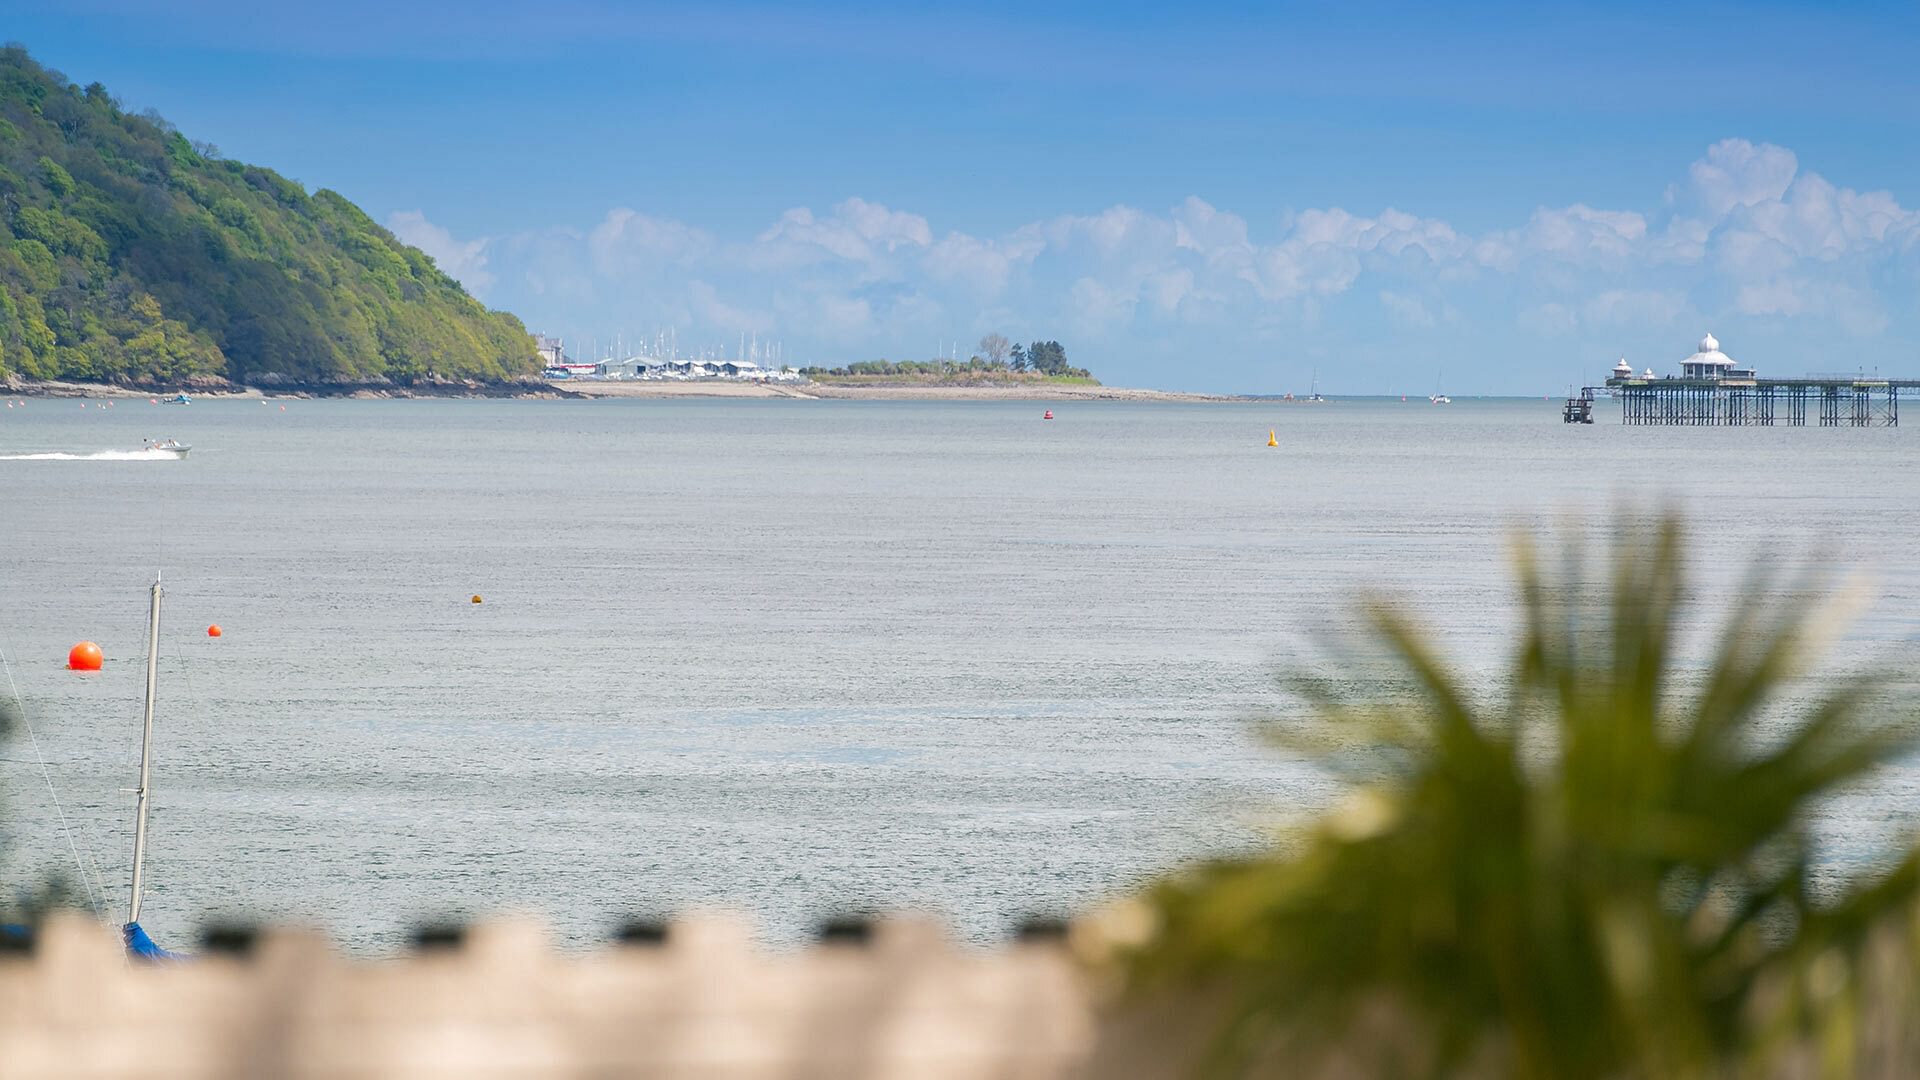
104, 455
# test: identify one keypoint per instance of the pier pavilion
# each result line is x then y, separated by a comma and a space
1712, 389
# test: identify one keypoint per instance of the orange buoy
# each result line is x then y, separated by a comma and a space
214, 630
85, 656
476, 598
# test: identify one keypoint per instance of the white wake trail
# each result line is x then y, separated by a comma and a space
104, 455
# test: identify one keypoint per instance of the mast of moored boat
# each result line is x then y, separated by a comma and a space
146, 751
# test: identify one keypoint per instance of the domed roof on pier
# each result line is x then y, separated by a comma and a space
1623, 369
1710, 354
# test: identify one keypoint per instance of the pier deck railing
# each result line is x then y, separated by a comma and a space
1826, 402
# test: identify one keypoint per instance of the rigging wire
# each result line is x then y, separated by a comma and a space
33, 737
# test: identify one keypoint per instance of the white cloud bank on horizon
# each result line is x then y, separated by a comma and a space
1747, 242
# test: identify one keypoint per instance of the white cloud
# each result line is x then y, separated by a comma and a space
1577, 234
1857, 312
1779, 296
627, 241
1817, 220
1215, 234
1113, 233
1744, 232
1168, 289
1744, 255
465, 262
984, 265
1098, 310
1736, 173
855, 231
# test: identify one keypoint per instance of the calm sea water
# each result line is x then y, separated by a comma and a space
790, 657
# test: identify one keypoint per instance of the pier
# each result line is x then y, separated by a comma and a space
1761, 402
1712, 391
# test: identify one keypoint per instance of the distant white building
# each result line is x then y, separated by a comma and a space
654, 368
552, 353
1710, 363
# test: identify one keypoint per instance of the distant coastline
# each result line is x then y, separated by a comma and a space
213, 390
541, 389
882, 391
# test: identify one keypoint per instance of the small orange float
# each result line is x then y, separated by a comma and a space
85, 656
214, 630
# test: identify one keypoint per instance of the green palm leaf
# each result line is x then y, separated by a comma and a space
1606, 871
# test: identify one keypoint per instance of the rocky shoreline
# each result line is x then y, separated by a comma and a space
53, 388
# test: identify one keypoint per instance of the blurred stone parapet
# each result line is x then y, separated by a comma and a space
694, 998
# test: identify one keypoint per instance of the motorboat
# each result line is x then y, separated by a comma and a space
170, 447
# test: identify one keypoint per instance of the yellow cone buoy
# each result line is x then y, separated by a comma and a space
476, 598
1271, 441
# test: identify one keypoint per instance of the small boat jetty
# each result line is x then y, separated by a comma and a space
1713, 390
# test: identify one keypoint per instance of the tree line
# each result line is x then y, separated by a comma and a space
130, 254
996, 355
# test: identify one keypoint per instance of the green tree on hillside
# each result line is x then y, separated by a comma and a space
129, 253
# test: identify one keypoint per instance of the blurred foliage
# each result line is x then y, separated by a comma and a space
130, 254
1601, 868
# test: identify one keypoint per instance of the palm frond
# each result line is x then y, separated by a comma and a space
1604, 872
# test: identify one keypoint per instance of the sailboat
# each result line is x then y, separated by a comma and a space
140, 945
1439, 398
1313, 393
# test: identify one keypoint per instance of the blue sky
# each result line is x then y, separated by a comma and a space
1221, 197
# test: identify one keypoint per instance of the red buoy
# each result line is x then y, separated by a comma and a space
85, 656
1049, 415
214, 630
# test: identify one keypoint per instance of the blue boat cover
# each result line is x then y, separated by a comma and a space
142, 947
